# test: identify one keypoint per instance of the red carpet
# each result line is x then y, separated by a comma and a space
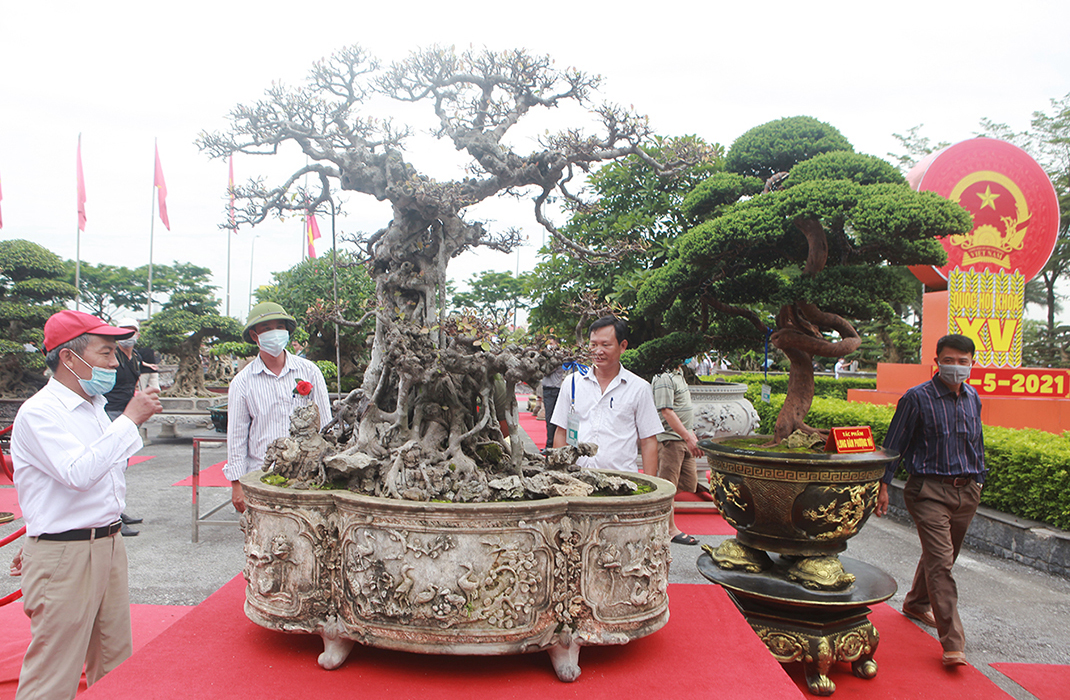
9, 501
908, 666
139, 460
210, 476
1046, 681
216, 652
535, 428
703, 524
147, 622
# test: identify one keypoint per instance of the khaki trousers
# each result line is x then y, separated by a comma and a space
942, 513
78, 602
676, 464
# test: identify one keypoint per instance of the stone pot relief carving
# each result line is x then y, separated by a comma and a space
554, 574
722, 410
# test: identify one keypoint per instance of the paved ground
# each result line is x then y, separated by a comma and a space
1011, 612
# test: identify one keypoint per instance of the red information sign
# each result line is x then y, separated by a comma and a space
1019, 381
857, 438
1014, 207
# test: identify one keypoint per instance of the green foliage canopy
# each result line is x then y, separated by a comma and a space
635, 209
31, 290
750, 254
494, 295
779, 145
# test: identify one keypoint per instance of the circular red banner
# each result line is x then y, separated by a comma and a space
1014, 206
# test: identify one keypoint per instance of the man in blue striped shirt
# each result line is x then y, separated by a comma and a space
937, 431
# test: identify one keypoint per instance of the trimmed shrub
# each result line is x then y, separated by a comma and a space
829, 387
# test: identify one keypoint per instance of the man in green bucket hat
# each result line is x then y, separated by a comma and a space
265, 393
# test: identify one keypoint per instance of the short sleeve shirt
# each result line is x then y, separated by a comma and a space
670, 391
615, 420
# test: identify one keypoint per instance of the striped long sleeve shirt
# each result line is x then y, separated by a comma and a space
938, 432
259, 405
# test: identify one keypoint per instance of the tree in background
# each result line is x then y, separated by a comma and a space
110, 291
818, 244
915, 148
306, 291
636, 208
31, 290
188, 319
495, 296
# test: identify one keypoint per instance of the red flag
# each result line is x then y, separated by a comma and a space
161, 187
313, 232
230, 191
81, 189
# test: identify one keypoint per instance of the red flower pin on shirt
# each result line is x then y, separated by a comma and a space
303, 388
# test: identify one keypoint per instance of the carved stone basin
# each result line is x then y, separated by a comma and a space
458, 578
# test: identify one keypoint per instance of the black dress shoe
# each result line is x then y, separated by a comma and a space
127, 520
128, 531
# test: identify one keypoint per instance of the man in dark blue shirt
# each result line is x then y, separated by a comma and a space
937, 431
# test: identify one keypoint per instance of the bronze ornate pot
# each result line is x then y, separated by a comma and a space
797, 504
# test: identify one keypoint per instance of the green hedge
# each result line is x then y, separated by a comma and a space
1028, 470
778, 383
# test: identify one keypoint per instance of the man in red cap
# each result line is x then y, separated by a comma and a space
69, 462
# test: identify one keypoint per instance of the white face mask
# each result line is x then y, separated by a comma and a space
954, 374
273, 342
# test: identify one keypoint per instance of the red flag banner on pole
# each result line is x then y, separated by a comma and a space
161, 188
81, 189
313, 230
230, 193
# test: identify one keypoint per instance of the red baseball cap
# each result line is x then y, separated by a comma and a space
68, 325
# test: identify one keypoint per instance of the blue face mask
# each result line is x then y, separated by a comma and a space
273, 342
102, 382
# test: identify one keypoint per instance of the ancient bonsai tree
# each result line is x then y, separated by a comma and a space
423, 425
795, 262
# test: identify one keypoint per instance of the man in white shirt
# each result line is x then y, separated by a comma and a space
264, 394
612, 407
69, 461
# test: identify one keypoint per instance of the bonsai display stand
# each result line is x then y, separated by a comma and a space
814, 627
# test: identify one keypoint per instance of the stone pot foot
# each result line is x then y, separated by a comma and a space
335, 652
566, 661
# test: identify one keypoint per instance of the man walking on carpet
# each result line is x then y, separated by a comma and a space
677, 443
609, 406
69, 462
264, 394
937, 431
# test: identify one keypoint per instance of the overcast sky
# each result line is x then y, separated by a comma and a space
125, 73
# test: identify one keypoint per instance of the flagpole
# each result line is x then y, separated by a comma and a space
152, 229
334, 280
233, 223
78, 235
228, 271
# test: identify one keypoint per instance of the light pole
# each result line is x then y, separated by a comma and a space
252, 251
